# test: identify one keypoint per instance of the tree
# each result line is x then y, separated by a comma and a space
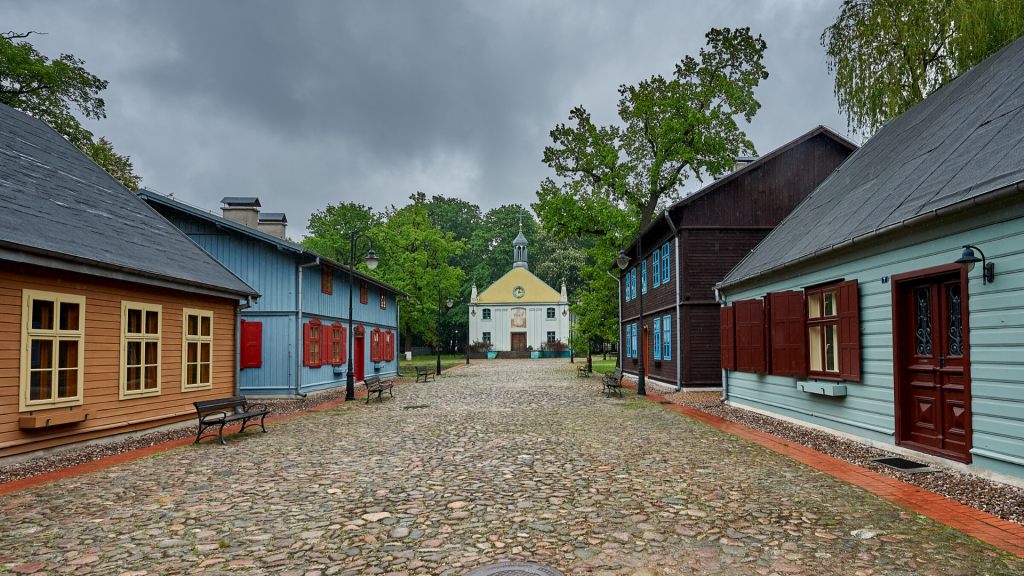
460, 218
48, 89
889, 55
331, 228
614, 179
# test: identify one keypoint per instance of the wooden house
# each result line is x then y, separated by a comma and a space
111, 320
295, 340
863, 312
694, 245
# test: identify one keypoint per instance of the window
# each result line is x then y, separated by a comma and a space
364, 292
632, 283
666, 338
664, 264
252, 344
487, 313
833, 331
551, 313
656, 264
389, 345
376, 352
336, 352
626, 285
551, 336
657, 337
487, 337
53, 351
326, 280
383, 299
643, 277
197, 342
140, 349
629, 351
633, 343
313, 343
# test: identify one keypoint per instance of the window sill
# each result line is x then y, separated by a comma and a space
66, 403
196, 387
52, 419
132, 395
825, 378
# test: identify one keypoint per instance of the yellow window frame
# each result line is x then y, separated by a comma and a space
55, 336
198, 340
144, 338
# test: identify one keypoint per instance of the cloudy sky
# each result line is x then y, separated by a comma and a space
307, 103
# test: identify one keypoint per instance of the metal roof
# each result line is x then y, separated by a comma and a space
245, 201
962, 142
273, 217
59, 204
226, 224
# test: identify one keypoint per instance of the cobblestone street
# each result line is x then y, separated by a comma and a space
500, 460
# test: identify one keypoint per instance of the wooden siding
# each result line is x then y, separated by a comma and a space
996, 325
716, 230
107, 414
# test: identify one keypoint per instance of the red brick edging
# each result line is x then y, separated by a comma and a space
981, 525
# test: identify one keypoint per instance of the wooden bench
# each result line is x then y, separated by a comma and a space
374, 385
612, 383
424, 372
212, 413
581, 372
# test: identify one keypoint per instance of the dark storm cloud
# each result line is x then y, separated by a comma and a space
308, 103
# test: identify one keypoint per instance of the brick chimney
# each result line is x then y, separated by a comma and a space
245, 211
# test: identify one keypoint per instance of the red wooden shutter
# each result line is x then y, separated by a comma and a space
325, 344
849, 331
344, 345
389, 346
305, 344
728, 327
252, 344
749, 336
788, 333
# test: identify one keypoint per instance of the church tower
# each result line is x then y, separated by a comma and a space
519, 249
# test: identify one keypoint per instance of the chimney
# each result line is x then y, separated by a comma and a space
244, 211
273, 223
741, 161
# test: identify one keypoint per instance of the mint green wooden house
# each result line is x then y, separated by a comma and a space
865, 313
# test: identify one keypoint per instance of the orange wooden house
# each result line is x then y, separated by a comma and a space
111, 320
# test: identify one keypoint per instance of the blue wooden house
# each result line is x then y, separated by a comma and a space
889, 306
295, 339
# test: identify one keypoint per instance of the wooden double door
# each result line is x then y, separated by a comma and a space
518, 341
933, 409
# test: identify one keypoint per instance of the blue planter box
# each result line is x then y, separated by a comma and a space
491, 354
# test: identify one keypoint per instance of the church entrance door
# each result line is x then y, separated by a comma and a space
519, 341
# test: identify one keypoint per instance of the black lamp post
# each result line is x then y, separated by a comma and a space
623, 261
968, 260
371, 263
449, 302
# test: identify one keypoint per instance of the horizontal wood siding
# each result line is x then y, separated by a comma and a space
996, 324
107, 414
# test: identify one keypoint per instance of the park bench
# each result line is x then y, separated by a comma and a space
212, 413
612, 383
581, 372
424, 372
374, 385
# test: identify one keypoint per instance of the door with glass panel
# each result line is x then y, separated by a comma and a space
932, 372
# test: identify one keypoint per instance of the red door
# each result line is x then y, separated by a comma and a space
357, 354
932, 370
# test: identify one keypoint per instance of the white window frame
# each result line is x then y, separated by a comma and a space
199, 339
55, 335
123, 392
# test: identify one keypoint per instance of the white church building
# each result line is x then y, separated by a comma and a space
519, 310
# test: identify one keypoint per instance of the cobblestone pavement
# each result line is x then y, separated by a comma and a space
502, 460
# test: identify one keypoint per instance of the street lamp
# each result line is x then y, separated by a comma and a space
449, 302
371, 260
622, 261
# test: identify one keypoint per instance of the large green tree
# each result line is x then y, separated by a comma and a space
888, 55
612, 180
49, 89
461, 219
331, 228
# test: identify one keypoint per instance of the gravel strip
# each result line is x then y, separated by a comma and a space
76, 456
1002, 500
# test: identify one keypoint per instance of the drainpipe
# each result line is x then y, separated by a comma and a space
238, 342
298, 336
725, 372
679, 324
618, 296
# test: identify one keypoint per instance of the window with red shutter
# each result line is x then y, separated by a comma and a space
313, 346
333, 351
389, 346
326, 280
383, 299
344, 345
727, 315
375, 345
364, 292
787, 343
749, 336
849, 331
325, 345
252, 344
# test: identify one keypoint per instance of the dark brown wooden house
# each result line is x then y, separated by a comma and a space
696, 242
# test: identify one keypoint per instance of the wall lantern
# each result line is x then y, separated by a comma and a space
473, 311
564, 312
622, 260
968, 260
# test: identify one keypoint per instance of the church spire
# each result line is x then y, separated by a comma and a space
519, 248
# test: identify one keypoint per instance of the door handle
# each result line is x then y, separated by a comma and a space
942, 360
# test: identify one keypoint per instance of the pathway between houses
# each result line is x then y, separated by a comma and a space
502, 460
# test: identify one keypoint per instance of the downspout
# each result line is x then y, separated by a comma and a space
679, 324
725, 372
298, 336
238, 342
618, 297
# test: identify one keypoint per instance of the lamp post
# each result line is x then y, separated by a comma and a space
449, 302
371, 263
623, 261
968, 260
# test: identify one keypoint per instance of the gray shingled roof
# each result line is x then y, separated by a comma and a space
57, 202
962, 142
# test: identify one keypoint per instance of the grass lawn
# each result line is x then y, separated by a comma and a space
447, 361
604, 366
